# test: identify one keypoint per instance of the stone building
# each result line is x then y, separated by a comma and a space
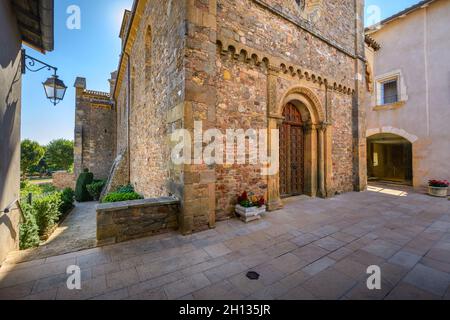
21, 22
292, 65
94, 131
408, 110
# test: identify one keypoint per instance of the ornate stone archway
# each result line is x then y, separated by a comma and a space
317, 144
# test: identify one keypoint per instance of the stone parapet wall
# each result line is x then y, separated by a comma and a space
122, 221
63, 180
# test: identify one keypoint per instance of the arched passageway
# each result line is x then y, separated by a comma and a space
389, 158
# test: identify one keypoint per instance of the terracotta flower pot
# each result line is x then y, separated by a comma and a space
440, 192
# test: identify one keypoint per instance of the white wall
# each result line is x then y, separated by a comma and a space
419, 46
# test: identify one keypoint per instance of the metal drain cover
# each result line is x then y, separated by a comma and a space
252, 275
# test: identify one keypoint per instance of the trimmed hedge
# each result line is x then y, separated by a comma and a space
42, 215
29, 230
95, 189
125, 189
67, 200
46, 212
119, 197
81, 192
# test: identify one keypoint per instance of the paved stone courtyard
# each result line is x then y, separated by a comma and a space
312, 249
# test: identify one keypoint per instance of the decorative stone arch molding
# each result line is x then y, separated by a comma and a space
317, 145
276, 65
308, 98
399, 132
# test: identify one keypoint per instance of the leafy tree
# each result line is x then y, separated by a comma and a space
59, 154
31, 154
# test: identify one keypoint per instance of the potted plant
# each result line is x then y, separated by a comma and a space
438, 188
250, 207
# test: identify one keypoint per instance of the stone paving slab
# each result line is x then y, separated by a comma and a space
311, 249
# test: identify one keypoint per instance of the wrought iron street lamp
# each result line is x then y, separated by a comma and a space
55, 89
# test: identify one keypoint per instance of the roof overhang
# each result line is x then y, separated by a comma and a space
35, 19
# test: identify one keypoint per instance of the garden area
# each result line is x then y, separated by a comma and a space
49, 211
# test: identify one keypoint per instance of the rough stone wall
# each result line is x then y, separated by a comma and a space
122, 118
330, 19
118, 176
199, 197
118, 222
63, 180
174, 81
94, 132
156, 88
10, 108
259, 28
342, 144
241, 104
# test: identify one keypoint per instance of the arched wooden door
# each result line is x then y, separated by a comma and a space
291, 153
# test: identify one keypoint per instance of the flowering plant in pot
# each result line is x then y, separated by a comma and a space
438, 188
250, 207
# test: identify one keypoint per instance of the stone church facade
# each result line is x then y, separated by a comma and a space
293, 65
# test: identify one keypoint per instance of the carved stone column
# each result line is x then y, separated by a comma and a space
310, 131
321, 129
274, 199
274, 121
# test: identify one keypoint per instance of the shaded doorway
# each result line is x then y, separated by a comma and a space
291, 153
389, 159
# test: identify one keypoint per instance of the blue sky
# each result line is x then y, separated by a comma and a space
92, 52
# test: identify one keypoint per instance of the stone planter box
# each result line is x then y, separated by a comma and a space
250, 214
440, 192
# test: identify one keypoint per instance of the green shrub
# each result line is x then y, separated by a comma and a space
125, 189
81, 192
24, 184
118, 197
95, 189
35, 189
46, 210
67, 200
28, 188
47, 188
29, 230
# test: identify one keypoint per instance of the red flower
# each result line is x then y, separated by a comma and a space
243, 197
261, 202
439, 183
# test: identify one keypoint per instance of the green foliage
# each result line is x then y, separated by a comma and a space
47, 188
31, 154
27, 188
29, 230
59, 155
35, 189
81, 192
125, 189
43, 213
95, 189
40, 169
47, 211
119, 197
67, 200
